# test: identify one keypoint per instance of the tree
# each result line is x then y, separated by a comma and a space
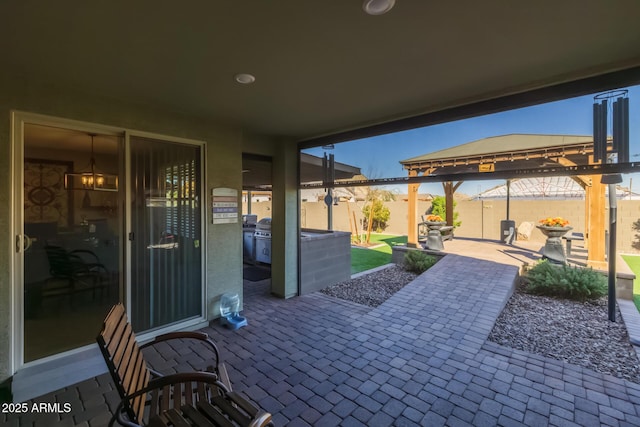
381, 215
636, 227
371, 196
438, 207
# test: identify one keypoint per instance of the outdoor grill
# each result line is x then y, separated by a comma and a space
263, 240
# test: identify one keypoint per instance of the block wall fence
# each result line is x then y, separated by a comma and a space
480, 218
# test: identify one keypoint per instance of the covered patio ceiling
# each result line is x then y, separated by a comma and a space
257, 171
320, 67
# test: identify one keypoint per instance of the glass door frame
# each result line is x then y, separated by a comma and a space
18, 121
193, 322
16, 273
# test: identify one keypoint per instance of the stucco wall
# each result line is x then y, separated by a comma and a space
284, 224
224, 164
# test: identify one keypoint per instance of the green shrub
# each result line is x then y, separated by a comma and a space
418, 262
381, 215
566, 282
439, 207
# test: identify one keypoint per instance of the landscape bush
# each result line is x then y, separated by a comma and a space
381, 215
563, 281
439, 207
418, 262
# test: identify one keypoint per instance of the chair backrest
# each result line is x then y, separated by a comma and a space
124, 359
59, 262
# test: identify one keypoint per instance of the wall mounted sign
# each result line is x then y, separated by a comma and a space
486, 167
224, 205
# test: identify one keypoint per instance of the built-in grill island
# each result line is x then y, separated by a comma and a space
263, 241
325, 259
325, 256
248, 238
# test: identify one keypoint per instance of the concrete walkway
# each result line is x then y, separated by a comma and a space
421, 358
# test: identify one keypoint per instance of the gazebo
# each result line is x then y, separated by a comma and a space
514, 153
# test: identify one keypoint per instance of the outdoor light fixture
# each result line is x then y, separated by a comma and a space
91, 178
584, 150
244, 78
377, 7
526, 157
511, 158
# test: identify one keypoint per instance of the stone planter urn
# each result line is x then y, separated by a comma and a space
434, 237
553, 249
435, 225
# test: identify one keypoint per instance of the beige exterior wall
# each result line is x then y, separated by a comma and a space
481, 219
225, 145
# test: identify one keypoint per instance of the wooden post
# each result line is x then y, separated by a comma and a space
349, 219
596, 205
449, 190
412, 213
370, 223
355, 225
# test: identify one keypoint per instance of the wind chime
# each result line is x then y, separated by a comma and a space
619, 153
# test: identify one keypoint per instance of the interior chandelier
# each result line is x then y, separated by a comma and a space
91, 178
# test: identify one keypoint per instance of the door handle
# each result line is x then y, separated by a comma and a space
23, 243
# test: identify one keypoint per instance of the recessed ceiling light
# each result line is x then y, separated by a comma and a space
244, 78
377, 7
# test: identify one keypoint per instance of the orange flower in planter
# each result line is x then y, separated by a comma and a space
554, 222
434, 218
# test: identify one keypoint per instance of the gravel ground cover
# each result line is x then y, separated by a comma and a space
575, 332
372, 289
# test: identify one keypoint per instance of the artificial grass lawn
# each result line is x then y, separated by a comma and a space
634, 264
366, 259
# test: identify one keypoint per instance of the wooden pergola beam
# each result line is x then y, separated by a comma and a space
594, 214
595, 203
412, 213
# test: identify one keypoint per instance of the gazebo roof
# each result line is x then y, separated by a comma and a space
505, 153
503, 144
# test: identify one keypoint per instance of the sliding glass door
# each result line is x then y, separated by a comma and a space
102, 217
166, 280
71, 259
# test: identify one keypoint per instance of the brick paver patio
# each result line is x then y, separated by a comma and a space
421, 358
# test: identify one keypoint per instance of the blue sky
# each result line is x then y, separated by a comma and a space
379, 157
